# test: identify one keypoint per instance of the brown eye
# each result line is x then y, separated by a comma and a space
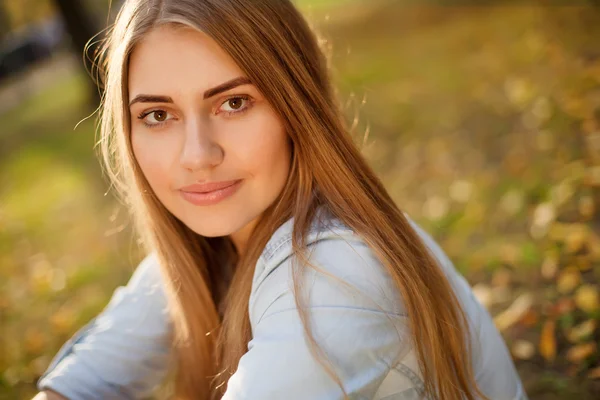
235, 103
160, 116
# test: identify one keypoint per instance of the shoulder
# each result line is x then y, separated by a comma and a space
147, 275
342, 271
338, 257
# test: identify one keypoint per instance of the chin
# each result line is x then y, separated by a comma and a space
211, 230
216, 222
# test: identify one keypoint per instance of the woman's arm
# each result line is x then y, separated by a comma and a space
124, 352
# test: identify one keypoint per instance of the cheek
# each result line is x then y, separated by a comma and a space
154, 168
265, 152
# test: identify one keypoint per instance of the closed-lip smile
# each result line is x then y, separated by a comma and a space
209, 193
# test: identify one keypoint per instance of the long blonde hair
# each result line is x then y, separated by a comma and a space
273, 45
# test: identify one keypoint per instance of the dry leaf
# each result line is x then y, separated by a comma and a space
501, 294
543, 215
577, 354
568, 280
581, 331
587, 206
514, 313
564, 305
584, 263
548, 341
587, 298
592, 177
575, 241
594, 246
560, 231
529, 319
501, 277
523, 349
483, 293
549, 267
594, 373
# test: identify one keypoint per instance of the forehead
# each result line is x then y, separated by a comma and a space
178, 60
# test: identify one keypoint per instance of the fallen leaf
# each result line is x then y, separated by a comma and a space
501, 294
515, 312
575, 241
543, 215
580, 352
582, 331
568, 280
592, 177
587, 298
587, 206
584, 263
548, 341
483, 293
594, 373
529, 319
564, 305
594, 246
550, 267
571, 371
501, 277
523, 349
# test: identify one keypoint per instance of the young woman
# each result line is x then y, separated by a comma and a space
279, 267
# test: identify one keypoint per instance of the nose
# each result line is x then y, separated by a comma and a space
200, 150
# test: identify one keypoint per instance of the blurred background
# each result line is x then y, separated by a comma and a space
482, 118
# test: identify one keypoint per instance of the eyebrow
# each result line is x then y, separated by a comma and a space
231, 84
242, 80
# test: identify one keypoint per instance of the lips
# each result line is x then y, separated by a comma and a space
207, 194
208, 187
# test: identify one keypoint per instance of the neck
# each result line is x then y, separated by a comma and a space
240, 238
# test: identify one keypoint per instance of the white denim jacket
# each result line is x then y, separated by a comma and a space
123, 353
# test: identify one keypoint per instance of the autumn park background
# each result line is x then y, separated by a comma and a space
482, 118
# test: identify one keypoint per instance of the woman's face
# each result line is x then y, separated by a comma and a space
211, 147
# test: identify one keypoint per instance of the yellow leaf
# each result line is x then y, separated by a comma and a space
577, 354
523, 349
575, 241
568, 280
502, 277
594, 373
587, 298
582, 331
560, 231
564, 305
549, 267
514, 313
530, 319
587, 207
592, 177
594, 246
548, 341
583, 262
483, 294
